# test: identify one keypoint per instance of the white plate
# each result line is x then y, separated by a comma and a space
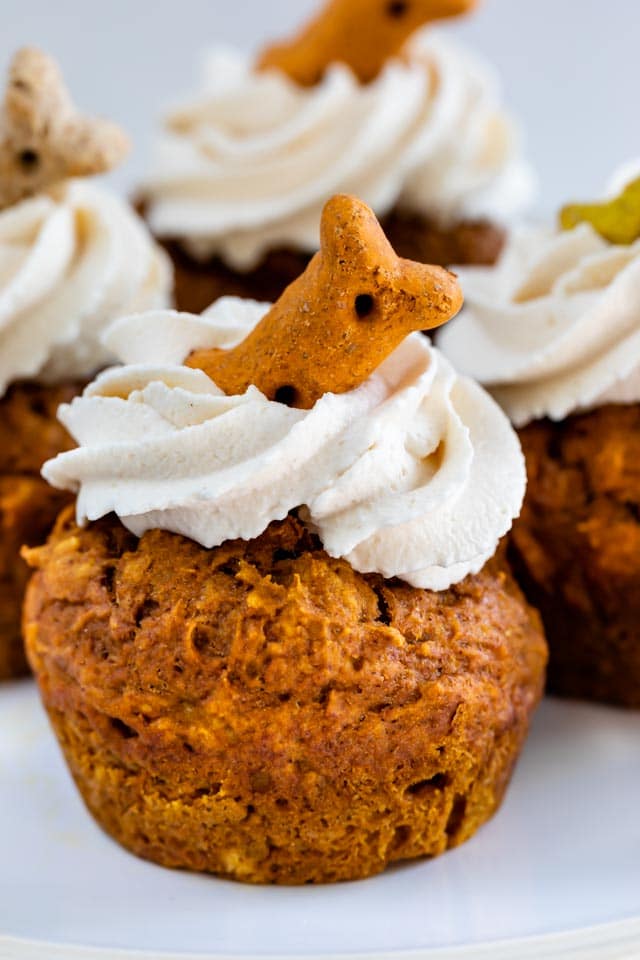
562, 854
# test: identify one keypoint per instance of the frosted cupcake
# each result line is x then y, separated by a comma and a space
280, 642
72, 258
554, 332
361, 101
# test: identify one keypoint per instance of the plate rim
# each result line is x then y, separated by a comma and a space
618, 940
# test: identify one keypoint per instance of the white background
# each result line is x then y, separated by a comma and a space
570, 68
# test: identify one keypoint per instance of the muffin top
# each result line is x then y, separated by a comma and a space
554, 327
413, 473
246, 165
72, 256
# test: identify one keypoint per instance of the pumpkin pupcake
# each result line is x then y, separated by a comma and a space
554, 332
360, 102
284, 648
71, 259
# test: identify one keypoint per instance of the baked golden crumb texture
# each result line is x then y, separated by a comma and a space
29, 435
264, 712
198, 284
576, 548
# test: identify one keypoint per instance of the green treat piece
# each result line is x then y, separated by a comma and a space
617, 220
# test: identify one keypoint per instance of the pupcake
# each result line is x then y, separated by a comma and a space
279, 641
554, 332
361, 101
72, 258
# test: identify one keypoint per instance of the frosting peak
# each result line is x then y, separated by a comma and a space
70, 262
248, 165
554, 328
415, 474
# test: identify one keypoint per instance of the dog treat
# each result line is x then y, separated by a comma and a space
361, 33
617, 220
43, 139
335, 324
265, 712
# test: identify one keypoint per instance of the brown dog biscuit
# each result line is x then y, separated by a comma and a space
335, 324
43, 139
361, 33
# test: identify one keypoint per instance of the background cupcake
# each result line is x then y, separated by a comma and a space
311, 663
554, 332
417, 129
72, 258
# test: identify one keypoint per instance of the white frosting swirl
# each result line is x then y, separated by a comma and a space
554, 328
248, 165
70, 262
415, 474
